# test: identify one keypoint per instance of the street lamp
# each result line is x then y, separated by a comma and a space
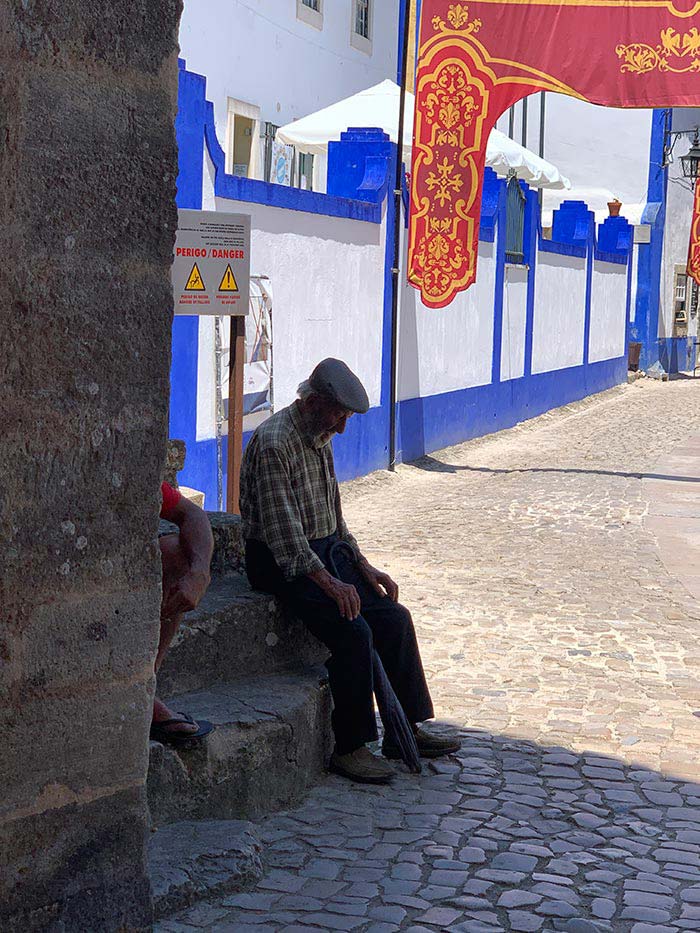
691, 162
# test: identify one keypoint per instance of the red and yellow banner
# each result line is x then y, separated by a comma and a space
476, 59
694, 248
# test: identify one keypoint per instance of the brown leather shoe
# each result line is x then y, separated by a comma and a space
429, 746
362, 766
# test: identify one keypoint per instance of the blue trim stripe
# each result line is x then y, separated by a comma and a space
498, 292
645, 327
533, 233
189, 129
282, 196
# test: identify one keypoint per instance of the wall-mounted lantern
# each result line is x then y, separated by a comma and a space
691, 162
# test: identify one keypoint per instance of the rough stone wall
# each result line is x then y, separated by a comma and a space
88, 167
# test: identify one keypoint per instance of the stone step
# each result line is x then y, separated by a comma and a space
229, 546
191, 861
235, 632
271, 743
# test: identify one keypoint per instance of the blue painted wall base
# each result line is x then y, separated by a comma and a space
429, 424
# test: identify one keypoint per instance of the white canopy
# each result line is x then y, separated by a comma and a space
379, 106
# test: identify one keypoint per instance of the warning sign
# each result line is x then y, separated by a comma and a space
228, 283
195, 282
211, 248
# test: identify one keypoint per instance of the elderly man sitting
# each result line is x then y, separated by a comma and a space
290, 506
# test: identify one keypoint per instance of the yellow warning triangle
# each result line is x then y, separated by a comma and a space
195, 283
228, 283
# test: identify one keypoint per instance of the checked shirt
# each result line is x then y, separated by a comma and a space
288, 490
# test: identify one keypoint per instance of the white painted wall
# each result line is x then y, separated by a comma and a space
259, 52
560, 312
327, 276
608, 312
450, 348
514, 321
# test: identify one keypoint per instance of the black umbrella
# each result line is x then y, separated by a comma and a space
398, 731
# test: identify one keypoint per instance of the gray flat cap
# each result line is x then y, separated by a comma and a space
337, 381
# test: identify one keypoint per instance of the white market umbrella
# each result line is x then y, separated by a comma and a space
379, 107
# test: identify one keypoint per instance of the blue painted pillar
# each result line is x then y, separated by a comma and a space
403, 13
361, 166
189, 128
358, 164
645, 328
532, 229
499, 283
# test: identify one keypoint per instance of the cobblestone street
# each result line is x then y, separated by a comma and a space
543, 566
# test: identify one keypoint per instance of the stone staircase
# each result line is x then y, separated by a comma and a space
242, 663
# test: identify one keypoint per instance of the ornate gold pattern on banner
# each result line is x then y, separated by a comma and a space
452, 103
677, 53
444, 183
458, 16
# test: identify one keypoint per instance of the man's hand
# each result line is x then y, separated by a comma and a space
346, 598
344, 595
379, 581
186, 593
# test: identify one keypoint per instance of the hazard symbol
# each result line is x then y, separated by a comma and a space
195, 282
228, 283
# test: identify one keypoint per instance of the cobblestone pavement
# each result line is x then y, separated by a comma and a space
566, 652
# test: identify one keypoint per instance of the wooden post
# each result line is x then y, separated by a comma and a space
235, 414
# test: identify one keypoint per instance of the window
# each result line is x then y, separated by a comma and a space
681, 295
242, 139
311, 12
361, 25
268, 144
515, 221
306, 171
362, 18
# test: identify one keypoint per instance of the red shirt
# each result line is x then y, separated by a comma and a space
170, 497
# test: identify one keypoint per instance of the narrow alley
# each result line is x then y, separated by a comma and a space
543, 566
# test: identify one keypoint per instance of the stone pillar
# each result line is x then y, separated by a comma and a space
88, 167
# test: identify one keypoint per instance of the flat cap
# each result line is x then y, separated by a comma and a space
335, 380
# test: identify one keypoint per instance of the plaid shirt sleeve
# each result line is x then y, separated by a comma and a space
279, 514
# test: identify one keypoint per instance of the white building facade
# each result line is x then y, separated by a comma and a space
269, 62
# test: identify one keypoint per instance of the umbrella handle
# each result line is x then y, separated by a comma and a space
335, 547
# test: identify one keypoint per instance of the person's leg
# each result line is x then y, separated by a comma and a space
350, 644
395, 640
349, 666
175, 566
397, 646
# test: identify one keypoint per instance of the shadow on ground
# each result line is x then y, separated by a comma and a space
506, 835
433, 465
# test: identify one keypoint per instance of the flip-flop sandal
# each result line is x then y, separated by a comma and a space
161, 733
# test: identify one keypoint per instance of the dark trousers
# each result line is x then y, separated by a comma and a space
382, 625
